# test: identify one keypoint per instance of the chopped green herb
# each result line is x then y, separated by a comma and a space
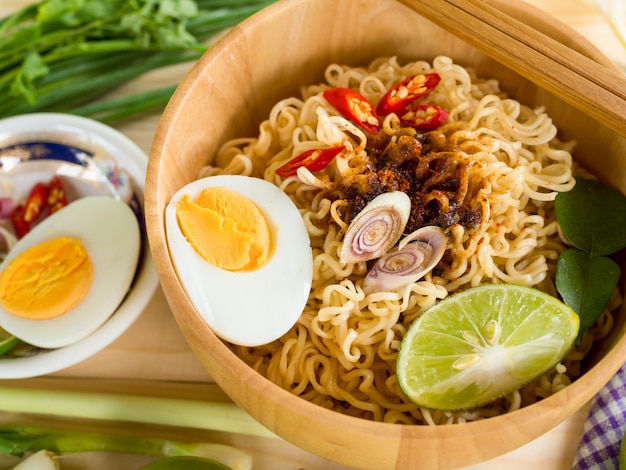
59, 55
593, 218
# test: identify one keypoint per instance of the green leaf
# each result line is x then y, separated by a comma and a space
32, 69
593, 217
180, 9
586, 283
64, 13
25, 34
62, 32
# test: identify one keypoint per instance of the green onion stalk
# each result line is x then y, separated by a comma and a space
66, 56
51, 443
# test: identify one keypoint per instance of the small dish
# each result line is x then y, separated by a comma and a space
91, 159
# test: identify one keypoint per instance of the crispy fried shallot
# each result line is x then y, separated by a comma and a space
435, 175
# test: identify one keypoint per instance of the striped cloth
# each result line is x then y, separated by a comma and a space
604, 428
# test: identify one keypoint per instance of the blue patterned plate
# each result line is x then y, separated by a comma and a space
91, 159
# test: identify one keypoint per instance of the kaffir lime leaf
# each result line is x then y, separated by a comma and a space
482, 343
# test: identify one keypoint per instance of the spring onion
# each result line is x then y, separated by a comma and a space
58, 55
20, 441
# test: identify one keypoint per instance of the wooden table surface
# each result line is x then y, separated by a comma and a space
153, 359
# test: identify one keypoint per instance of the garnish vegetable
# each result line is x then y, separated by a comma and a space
423, 117
593, 218
355, 107
58, 55
407, 91
20, 441
214, 415
313, 160
376, 228
57, 197
416, 255
479, 344
25, 215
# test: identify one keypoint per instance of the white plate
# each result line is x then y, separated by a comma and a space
91, 158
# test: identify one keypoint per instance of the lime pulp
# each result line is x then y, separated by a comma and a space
482, 343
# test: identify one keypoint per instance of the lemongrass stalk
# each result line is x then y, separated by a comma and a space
217, 416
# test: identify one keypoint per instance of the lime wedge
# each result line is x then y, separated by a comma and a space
7, 341
482, 343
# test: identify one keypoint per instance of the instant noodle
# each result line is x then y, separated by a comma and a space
487, 174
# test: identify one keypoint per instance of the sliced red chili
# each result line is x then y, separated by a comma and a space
354, 106
313, 160
21, 228
423, 117
25, 215
408, 90
57, 198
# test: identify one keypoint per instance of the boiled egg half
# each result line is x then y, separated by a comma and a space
242, 254
67, 276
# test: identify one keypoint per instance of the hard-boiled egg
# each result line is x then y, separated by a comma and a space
242, 253
66, 277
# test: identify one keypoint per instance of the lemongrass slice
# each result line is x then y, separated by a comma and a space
416, 255
376, 228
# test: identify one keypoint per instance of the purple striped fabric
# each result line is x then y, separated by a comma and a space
605, 426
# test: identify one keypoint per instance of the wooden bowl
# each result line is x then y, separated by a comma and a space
232, 89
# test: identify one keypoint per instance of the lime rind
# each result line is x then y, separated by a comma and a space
480, 344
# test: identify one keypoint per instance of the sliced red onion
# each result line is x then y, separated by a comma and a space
376, 228
415, 256
7, 205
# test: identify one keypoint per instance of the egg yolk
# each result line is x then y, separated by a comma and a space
225, 228
46, 280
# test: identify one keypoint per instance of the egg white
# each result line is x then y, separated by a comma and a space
109, 231
248, 308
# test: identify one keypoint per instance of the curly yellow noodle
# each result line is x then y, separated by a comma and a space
341, 353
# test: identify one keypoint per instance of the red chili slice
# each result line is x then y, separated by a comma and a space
313, 160
21, 228
408, 90
25, 215
354, 106
423, 117
57, 198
